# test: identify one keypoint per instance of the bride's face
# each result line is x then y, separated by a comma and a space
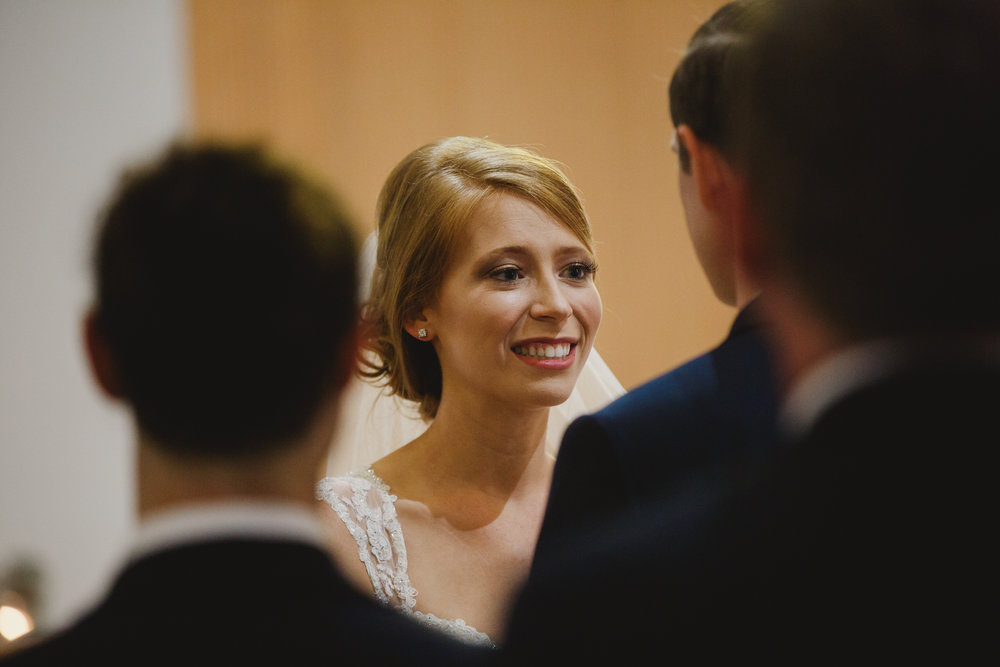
517, 311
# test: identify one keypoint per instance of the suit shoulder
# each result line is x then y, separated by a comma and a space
670, 392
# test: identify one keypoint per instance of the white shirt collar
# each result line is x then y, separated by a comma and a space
240, 519
834, 378
861, 365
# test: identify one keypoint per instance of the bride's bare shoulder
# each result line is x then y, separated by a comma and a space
400, 469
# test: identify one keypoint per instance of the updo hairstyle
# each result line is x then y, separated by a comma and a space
422, 212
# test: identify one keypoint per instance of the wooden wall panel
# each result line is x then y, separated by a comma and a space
348, 87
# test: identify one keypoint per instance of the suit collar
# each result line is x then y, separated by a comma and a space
848, 371
226, 520
748, 318
221, 570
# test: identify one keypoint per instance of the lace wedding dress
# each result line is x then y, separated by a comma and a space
365, 505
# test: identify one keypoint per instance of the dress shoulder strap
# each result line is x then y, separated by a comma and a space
365, 505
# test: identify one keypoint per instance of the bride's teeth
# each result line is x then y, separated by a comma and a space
560, 351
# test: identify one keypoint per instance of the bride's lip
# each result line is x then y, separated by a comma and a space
564, 340
547, 353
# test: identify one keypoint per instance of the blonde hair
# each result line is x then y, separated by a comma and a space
422, 209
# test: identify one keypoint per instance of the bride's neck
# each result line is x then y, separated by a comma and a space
506, 432
493, 453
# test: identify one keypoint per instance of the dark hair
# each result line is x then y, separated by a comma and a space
226, 289
870, 138
701, 88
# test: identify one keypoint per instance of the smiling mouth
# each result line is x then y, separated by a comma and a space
544, 351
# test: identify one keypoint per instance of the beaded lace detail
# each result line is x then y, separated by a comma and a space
365, 505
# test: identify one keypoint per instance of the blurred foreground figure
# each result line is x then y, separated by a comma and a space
867, 210
225, 320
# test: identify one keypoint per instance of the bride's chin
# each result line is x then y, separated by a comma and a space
549, 397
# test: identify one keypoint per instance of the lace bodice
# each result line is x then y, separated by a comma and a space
365, 505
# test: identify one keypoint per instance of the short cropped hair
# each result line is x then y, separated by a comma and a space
422, 211
226, 290
870, 137
702, 89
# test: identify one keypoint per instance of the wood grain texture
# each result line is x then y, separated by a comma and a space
348, 87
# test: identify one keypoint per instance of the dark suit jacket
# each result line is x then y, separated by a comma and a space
870, 537
236, 602
719, 405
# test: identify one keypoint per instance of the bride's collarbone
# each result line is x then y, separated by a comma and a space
443, 542
475, 514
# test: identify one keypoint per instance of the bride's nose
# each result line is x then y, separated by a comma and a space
549, 301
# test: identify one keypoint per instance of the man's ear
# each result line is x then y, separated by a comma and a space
708, 169
102, 365
347, 361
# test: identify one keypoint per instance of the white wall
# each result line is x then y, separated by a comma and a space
84, 88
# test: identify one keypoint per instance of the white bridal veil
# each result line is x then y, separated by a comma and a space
373, 423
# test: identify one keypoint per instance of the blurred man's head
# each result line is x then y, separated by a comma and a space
225, 300
868, 132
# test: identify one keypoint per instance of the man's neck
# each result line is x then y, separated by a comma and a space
744, 288
167, 480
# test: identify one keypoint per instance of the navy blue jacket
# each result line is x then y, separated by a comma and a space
866, 538
660, 435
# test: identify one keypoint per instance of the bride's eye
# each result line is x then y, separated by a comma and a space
579, 271
506, 274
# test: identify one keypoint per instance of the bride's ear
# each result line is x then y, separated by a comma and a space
417, 326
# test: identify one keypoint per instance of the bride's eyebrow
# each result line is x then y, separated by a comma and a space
519, 252
490, 258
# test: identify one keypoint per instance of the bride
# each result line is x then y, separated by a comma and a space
482, 315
